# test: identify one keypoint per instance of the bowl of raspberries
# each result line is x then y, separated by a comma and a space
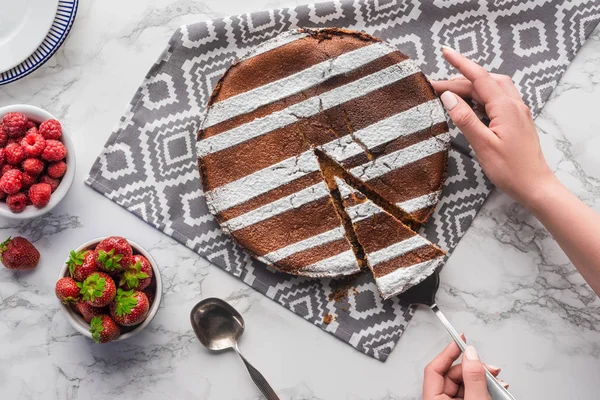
37, 162
110, 289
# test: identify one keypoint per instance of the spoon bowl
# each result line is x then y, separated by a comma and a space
217, 325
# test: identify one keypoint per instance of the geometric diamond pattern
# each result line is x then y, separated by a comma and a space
148, 165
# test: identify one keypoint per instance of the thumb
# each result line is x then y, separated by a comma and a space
474, 376
463, 116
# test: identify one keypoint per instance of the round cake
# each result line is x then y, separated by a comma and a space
301, 109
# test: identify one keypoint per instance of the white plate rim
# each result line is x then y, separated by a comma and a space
61, 27
21, 46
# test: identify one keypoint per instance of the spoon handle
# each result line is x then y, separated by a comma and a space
259, 380
495, 388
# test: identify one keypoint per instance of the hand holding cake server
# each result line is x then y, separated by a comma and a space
510, 154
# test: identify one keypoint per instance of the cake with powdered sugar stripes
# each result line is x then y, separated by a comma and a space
298, 110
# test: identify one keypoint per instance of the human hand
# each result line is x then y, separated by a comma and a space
444, 381
509, 149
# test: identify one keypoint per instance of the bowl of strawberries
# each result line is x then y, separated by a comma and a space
37, 162
110, 289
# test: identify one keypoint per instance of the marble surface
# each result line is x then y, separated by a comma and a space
508, 286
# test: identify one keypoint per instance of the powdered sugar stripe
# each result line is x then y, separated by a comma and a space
396, 250
271, 92
342, 149
341, 264
345, 189
405, 123
362, 211
400, 158
262, 181
306, 108
287, 203
303, 245
403, 278
421, 202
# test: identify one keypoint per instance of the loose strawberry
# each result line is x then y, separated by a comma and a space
130, 307
19, 253
67, 291
104, 329
88, 312
54, 151
139, 275
15, 124
82, 264
33, 166
98, 289
12, 181
39, 194
14, 153
50, 181
16, 202
57, 170
51, 129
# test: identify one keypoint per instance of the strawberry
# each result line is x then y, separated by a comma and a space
67, 291
104, 329
98, 289
150, 293
111, 262
88, 312
19, 253
82, 264
139, 275
118, 243
130, 307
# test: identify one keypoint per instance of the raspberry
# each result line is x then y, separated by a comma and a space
50, 181
16, 202
14, 153
31, 124
11, 182
51, 129
54, 151
6, 168
28, 180
33, 143
39, 194
57, 169
2, 195
3, 136
2, 158
33, 166
15, 124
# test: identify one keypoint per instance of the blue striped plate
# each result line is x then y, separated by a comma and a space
65, 16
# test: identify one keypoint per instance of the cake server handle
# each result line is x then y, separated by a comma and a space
259, 380
495, 388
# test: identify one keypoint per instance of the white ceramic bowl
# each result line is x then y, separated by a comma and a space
38, 115
83, 327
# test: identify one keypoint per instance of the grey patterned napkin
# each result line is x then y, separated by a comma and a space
148, 165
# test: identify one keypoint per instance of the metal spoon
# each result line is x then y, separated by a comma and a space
424, 293
219, 326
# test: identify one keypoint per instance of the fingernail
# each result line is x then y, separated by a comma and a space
493, 367
449, 100
471, 353
448, 48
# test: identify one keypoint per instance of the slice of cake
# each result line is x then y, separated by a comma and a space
398, 257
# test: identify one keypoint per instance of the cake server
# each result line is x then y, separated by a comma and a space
219, 326
424, 294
